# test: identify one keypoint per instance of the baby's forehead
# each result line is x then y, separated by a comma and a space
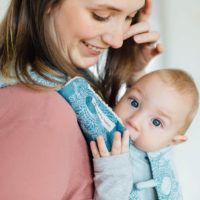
160, 79
166, 98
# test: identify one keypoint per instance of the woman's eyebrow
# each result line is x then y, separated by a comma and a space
108, 7
111, 7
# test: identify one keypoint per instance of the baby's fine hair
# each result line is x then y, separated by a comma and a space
184, 84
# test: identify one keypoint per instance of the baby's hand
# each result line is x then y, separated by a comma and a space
120, 145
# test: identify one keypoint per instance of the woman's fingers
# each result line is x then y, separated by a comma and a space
94, 149
149, 37
157, 49
142, 34
151, 50
140, 27
116, 145
103, 151
125, 142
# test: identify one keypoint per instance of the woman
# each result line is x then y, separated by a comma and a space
43, 43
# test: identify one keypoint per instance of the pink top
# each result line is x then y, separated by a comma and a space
43, 154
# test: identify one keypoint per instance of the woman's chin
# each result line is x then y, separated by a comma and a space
86, 63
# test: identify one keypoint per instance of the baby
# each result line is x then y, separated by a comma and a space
156, 110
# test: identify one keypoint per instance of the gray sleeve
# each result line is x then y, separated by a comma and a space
113, 177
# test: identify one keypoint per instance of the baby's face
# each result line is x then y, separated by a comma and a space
153, 113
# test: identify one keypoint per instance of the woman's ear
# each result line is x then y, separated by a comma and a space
178, 139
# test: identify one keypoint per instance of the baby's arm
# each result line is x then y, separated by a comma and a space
113, 174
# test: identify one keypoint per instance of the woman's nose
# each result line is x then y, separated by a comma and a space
114, 37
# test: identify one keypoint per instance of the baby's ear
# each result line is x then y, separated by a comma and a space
178, 139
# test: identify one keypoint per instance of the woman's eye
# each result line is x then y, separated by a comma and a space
100, 18
134, 103
156, 122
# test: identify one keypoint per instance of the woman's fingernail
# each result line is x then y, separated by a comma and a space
137, 38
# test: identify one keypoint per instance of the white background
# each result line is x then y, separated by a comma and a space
179, 24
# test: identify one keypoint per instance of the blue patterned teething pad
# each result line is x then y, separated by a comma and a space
94, 116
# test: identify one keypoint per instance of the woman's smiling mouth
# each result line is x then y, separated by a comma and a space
96, 49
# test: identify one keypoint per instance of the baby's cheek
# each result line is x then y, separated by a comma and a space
134, 135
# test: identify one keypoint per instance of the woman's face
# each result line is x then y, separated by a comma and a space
83, 29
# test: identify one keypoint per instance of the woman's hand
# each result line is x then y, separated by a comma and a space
145, 47
120, 145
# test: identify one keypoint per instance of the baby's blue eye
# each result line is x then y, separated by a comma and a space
134, 103
156, 122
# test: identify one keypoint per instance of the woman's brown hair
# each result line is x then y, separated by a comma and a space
25, 41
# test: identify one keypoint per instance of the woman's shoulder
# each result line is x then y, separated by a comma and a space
22, 107
19, 93
40, 129
21, 99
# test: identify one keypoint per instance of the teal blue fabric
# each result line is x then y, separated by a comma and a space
94, 116
143, 186
164, 174
37, 78
163, 178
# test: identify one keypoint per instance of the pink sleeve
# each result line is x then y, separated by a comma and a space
43, 155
